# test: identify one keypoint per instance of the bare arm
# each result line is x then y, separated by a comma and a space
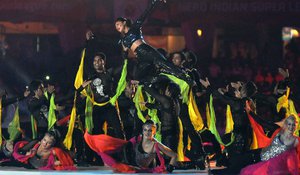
167, 151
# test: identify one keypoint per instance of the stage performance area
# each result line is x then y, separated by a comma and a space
91, 170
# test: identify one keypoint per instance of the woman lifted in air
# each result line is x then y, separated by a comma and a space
150, 61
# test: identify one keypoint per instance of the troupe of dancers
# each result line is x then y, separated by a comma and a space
148, 120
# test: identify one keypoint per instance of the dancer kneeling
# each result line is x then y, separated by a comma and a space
140, 153
41, 155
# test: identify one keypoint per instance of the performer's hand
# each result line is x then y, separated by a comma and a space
164, 1
57, 163
205, 82
284, 73
89, 35
85, 83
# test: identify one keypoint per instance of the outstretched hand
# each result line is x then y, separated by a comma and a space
284, 73
89, 35
164, 1
205, 82
86, 82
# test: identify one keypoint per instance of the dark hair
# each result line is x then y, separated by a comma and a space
56, 136
250, 88
49, 82
231, 91
182, 56
149, 122
34, 85
192, 56
122, 19
101, 55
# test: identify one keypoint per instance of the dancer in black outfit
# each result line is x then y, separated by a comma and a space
150, 60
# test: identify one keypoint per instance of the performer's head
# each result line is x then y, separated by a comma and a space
190, 59
50, 139
122, 25
177, 58
289, 125
99, 62
36, 87
149, 129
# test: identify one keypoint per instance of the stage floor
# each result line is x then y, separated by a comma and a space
91, 170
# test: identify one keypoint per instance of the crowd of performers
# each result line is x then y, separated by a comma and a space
147, 119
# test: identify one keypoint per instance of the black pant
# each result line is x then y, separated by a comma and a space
109, 114
197, 148
148, 55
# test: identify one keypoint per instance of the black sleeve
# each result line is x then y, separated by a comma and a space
268, 100
224, 99
9, 101
194, 74
27, 147
146, 13
92, 47
264, 123
35, 104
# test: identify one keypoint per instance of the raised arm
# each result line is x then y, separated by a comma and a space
147, 12
160, 98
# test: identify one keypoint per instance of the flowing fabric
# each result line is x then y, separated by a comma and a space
284, 163
121, 84
207, 115
212, 124
14, 128
137, 99
106, 145
180, 146
153, 114
283, 101
51, 115
262, 139
89, 125
68, 139
64, 158
184, 87
194, 113
229, 120
79, 75
33, 127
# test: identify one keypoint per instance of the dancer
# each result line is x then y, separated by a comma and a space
148, 57
280, 156
141, 152
44, 154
